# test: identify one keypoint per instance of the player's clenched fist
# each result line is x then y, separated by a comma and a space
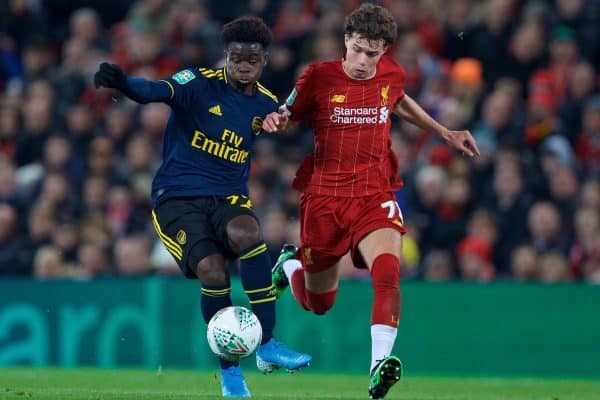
110, 76
275, 121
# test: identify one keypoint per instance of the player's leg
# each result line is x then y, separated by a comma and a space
381, 250
315, 288
215, 294
377, 230
244, 238
184, 228
313, 271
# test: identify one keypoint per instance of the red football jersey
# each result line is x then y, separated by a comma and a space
351, 122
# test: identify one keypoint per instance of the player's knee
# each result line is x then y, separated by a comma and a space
386, 271
320, 303
210, 272
243, 232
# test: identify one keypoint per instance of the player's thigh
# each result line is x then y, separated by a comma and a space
380, 241
185, 229
377, 228
235, 223
322, 239
323, 242
323, 281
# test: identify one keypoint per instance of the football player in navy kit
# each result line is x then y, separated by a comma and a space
202, 212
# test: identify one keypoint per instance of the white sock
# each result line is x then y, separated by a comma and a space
290, 266
382, 342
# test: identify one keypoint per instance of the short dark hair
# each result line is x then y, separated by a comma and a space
247, 29
372, 22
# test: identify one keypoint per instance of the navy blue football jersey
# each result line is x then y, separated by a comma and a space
208, 138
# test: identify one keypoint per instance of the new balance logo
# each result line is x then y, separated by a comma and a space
216, 110
338, 98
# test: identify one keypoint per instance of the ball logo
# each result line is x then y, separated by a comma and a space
237, 346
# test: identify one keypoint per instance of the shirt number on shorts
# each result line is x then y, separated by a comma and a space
392, 206
241, 200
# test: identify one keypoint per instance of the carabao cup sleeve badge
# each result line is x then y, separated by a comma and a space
292, 97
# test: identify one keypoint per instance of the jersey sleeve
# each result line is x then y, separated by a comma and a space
301, 101
399, 81
187, 86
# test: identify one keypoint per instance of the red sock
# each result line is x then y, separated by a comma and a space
319, 303
299, 288
385, 275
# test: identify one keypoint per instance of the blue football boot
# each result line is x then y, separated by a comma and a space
274, 355
233, 383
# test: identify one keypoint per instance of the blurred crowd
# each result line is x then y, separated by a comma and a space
76, 163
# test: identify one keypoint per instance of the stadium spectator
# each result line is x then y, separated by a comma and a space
437, 266
553, 267
524, 264
132, 255
13, 250
583, 252
474, 259
510, 202
582, 83
545, 233
92, 261
48, 263
587, 144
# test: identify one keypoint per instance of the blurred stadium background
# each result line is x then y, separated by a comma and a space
502, 260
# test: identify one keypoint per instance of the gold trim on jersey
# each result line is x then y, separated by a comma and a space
170, 87
266, 92
212, 73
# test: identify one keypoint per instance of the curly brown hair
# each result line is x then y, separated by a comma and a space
372, 22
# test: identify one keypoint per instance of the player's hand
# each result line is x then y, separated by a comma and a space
462, 141
275, 121
110, 76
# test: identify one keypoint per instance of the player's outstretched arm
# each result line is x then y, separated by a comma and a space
409, 110
138, 89
278, 122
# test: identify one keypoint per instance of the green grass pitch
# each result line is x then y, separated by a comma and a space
92, 384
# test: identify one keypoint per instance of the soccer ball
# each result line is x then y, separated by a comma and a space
233, 333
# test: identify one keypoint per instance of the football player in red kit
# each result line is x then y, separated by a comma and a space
347, 185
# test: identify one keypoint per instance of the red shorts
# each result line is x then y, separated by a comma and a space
331, 226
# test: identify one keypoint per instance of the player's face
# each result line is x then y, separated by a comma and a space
362, 56
245, 62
